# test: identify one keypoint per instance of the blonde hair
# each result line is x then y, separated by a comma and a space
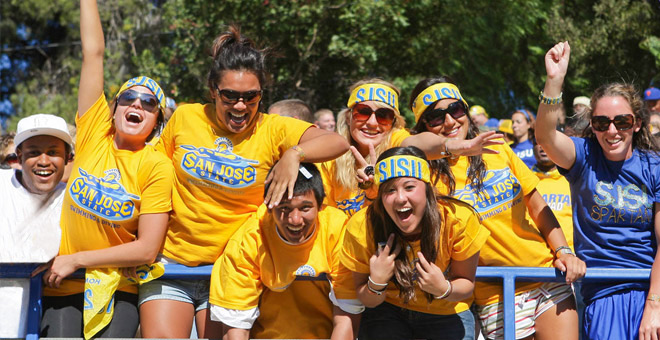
345, 169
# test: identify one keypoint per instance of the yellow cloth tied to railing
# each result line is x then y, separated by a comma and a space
99, 295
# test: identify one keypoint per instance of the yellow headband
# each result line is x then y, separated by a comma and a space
375, 92
434, 93
148, 83
402, 166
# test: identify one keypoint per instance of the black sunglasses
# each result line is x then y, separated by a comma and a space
148, 101
232, 97
362, 113
436, 117
621, 122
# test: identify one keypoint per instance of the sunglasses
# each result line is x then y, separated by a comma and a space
437, 116
621, 122
11, 158
232, 97
148, 101
362, 113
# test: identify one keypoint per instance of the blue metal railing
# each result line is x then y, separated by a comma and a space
507, 275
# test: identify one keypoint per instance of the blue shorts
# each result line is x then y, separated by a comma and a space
195, 292
615, 316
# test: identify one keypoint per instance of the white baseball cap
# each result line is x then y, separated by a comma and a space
42, 124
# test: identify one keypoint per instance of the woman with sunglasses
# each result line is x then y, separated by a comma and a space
503, 190
413, 255
221, 154
522, 122
614, 175
117, 202
372, 124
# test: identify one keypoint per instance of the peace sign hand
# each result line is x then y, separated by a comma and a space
365, 170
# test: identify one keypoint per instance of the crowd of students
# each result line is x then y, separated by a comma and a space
390, 222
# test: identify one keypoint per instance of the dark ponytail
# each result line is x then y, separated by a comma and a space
232, 51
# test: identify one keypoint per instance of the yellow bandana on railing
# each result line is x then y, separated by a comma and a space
375, 92
402, 166
434, 93
99, 296
148, 83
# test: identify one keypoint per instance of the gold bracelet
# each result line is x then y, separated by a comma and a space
300, 152
653, 297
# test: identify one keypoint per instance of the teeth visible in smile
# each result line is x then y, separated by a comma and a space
613, 141
43, 172
132, 116
295, 229
402, 210
237, 115
370, 132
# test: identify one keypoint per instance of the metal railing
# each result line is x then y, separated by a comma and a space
507, 275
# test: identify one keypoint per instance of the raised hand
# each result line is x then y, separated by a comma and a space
430, 277
556, 60
365, 170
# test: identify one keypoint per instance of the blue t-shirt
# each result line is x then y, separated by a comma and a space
525, 151
613, 212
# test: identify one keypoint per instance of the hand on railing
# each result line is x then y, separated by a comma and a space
572, 266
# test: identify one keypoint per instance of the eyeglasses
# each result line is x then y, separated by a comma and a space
362, 113
437, 116
621, 122
232, 97
148, 101
11, 158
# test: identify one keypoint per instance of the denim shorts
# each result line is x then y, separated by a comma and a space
387, 321
195, 292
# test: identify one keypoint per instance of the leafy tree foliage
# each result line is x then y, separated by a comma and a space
493, 50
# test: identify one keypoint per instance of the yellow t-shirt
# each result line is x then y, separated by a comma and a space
219, 177
557, 193
258, 269
513, 241
351, 201
108, 191
464, 237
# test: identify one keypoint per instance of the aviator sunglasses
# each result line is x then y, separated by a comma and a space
436, 117
621, 122
148, 101
232, 97
362, 113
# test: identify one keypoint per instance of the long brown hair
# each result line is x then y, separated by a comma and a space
431, 235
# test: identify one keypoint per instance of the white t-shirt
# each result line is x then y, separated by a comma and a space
29, 232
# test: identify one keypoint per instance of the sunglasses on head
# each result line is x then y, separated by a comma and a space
362, 113
436, 117
11, 158
232, 97
148, 101
621, 122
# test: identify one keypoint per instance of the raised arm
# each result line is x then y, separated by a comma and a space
93, 47
558, 146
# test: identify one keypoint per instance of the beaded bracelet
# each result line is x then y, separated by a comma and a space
564, 249
653, 297
550, 101
300, 152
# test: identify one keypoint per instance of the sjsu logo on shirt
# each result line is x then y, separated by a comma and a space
104, 197
621, 203
352, 205
306, 270
500, 187
525, 153
220, 166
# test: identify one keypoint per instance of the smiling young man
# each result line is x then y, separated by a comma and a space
256, 275
30, 209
